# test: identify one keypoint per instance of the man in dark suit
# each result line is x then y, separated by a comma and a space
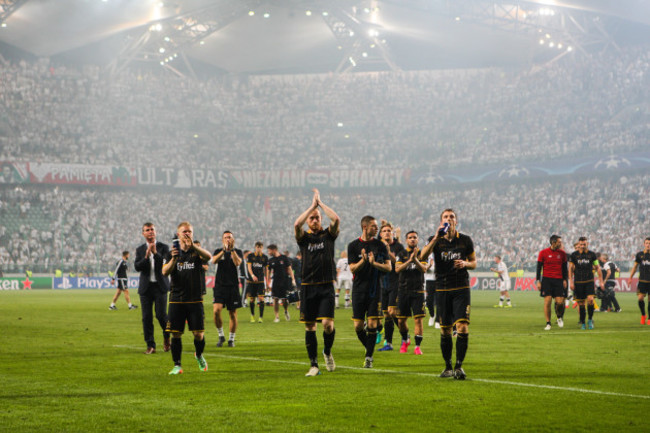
153, 288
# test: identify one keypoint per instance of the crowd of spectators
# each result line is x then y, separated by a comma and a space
579, 105
77, 228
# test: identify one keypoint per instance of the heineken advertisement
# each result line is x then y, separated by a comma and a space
27, 172
25, 283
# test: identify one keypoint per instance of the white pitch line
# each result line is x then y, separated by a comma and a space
416, 373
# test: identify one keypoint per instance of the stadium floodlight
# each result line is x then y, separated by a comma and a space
251, 13
551, 44
3, 25
373, 33
548, 36
352, 61
308, 13
569, 48
161, 50
364, 54
559, 46
202, 43
325, 13
266, 15
167, 39
541, 41
457, 18
351, 33
340, 124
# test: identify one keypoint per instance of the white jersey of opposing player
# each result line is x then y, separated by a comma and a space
504, 279
430, 275
344, 279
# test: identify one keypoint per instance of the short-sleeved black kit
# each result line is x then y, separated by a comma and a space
187, 285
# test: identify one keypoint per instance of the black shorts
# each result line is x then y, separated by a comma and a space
430, 287
643, 287
410, 304
453, 306
122, 284
180, 312
316, 302
254, 289
364, 306
582, 290
553, 287
280, 291
228, 296
388, 298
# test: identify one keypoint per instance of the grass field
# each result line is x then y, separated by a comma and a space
67, 363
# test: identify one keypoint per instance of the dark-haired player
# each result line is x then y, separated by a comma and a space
582, 264
642, 262
453, 254
185, 268
153, 286
318, 274
389, 284
122, 282
226, 286
551, 279
410, 296
368, 259
257, 263
280, 273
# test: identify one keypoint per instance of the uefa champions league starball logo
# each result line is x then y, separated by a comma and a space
613, 162
514, 171
431, 178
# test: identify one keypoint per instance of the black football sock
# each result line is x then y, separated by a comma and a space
362, 336
559, 310
590, 311
389, 328
418, 340
461, 348
446, 345
370, 342
261, 307
380, 328
328, 341
252, 306
404, 334
199, 345
177, 349
312, 347
642, 307
582, 313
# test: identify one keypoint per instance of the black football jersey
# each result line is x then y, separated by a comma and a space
317, 251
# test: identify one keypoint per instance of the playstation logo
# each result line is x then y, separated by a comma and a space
65, 284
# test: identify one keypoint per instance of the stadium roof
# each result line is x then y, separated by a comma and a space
257, 36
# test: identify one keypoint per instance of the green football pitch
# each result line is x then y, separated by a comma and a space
69, 364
